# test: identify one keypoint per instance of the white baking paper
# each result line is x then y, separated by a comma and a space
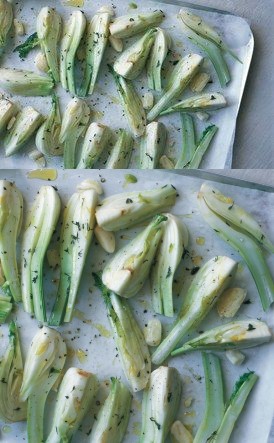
91, 332
104, 102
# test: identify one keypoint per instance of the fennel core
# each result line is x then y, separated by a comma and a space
130, 341
240, 231
208, 284
126, 272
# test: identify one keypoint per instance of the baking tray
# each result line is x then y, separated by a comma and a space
90, 330
104, 102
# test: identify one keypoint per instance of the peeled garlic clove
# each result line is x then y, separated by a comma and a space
148, 101
230, 302
235, 357
41, 62
180, 434
153, 332
105, 239
19, 27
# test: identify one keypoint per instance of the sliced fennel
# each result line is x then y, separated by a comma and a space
158, 54
238, 335
27, 122
210, 101
215, 406
235, 406
96, 42
189, 141
219, 420
45, 360
208, 284
40, 225
227, 208
214, 54
5, 307
202, 147
160, 404
167, 259
12, 409
77, 231
6, 19
130, 25
73, 32
124, 210
198, 25
113, 417
245, 246
74, 400
48, 135
131, 103
193, 152
180, 77
128, 270
74, 125
131, 62
7, 111
95, 142
11, 214
130, 341
25, 83
152, 146
121, 152
48, 27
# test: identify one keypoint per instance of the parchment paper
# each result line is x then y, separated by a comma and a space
104, 102
90, 330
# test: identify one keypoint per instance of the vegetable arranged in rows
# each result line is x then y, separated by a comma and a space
12, 408
24, 390
40, 225
11, 216
45, 360
239, 229
58, 136
208, 284
149, 52
77, 231
95, 33
154, 253
78, 225
236, 335
129, 339
207, 39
